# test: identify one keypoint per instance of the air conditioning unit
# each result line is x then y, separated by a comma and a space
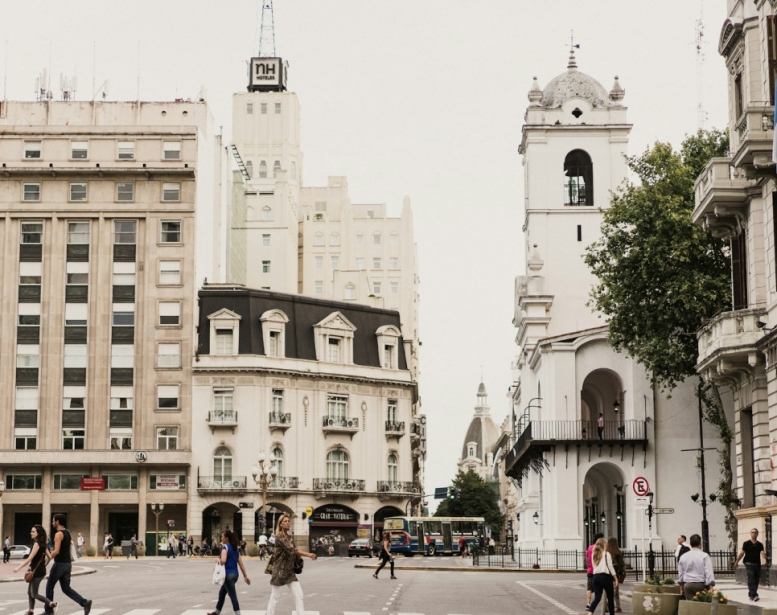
331, 421
236, 484
350, 423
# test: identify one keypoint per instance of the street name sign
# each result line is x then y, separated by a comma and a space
662, 511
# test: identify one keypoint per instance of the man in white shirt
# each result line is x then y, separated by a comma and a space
694, 569
80, 544
262, 545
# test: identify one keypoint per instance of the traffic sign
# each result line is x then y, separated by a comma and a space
309, 511
440, 493
640, 502
662, 511
640, 486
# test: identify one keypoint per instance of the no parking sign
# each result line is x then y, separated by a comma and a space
640, 486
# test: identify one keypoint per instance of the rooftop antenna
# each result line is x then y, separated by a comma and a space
267, 31
68, 86
42, 92
701, 115
5, 73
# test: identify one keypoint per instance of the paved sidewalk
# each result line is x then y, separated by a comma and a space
7, 575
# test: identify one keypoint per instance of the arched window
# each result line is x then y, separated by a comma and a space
471, 451
318, 239
337, 465
350, 292
276, 167
222, 465
262, 169
250, 169
578, 178
334, 239
266, 213
277, 452
392, 468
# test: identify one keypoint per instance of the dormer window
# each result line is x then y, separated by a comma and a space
334, 339
274, 333
224, 332
388, 346
333, 349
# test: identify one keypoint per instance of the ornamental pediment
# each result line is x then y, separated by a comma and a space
336, 321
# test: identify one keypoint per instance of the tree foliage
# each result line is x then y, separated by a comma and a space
660, 276
476, 498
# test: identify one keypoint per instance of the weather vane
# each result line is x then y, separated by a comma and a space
572, 44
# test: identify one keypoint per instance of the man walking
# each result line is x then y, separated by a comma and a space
133, 546
682, 548
754, 554
60, 571
80, 544
694, 570
6, 550
171, 545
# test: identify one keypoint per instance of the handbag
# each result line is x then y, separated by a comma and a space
298, 564
219, 574
30, 574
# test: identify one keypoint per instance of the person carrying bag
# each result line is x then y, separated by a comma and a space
283, 566
229, 561
36, 561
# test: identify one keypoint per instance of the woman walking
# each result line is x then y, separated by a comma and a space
604, 576
282, 561
385, 556
620, 569
37, 563
231, 560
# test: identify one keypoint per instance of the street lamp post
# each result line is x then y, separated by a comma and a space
157, 510
264, 473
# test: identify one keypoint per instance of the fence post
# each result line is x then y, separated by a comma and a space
556, 559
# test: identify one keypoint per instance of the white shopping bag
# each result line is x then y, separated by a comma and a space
218, 574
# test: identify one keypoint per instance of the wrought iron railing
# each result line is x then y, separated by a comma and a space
284, 482
395, 427
280, 418
221, 482
586, 430
222, 416
341, 422
391, 486
339, 484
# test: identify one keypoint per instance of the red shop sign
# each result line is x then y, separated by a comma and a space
92, 484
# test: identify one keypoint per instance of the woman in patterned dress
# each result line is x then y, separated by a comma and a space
282, 561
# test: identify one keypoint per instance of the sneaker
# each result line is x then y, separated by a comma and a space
374, 576
756, 599
587, 608
87, 607
54, 606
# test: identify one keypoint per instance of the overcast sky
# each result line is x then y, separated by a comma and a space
423, 98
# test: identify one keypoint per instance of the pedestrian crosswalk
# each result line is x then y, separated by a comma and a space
107, 611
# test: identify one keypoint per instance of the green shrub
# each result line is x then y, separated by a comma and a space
252, 550
90, 551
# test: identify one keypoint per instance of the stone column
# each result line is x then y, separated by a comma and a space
142, 504
46, 492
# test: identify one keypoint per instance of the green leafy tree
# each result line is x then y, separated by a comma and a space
475, 498
660, 276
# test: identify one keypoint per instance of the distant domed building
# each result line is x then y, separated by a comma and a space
477, 453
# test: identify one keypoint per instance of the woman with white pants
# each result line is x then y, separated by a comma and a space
282, 561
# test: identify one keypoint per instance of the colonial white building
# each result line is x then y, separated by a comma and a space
576, 473
324, 389
735, 199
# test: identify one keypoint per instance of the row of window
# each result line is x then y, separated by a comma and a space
263, 169
79, 150
124, 193
262, 108
334, 239
168, 397
350, 289
125, 232
334, 261
72, 482
77, 274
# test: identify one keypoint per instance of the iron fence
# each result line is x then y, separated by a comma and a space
664, 562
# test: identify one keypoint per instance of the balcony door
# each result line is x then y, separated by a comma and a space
222, 466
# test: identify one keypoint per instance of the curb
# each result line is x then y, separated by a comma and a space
79, 573
463, 569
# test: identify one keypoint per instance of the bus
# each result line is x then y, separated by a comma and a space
432, 535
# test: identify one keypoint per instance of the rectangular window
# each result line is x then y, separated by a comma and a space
277, 108
168, 396
172, 150
376, 288
359, 238
392, 411
31, 232
388, 356
169, 313
125, 150
30, 273
68, 482
394, 288
77, 273
77, 192
275, 342
31, 192
265, 266
319, 262
24, 442
376, 263
79, 150
277, 401
266, 241
125, 192
75, 355
73, 439
73, 398
28, 355
33, 149
579, 232
121, 398
124, 274
350, 292
370, 213
376, 239
123, 482
169, 355
171, 231
122, 356
171, 192
335, 262
120, 439
167, 438
264, 108
76, 314
125, 231
739, 270
224, 341
394, 263
319, 287
223, 401
333, 349
337, 406
360, 263
123, 314
170, 273
23, 482
739, 102
394, 239
249, 108
77, 233
29, 314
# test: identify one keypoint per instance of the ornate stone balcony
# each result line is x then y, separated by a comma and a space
388, 489
348, 487
727, 344
280, 420
751, 142
222, 418
284, 485
721, 198
339, 424
222, 483
395, 429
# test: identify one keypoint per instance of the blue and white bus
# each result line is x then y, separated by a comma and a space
432, 535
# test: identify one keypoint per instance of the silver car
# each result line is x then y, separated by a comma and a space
19, 551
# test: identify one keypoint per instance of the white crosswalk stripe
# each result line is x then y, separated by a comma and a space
79, 611
142, 612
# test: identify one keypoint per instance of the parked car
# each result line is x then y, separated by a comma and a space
19, 551
360, 546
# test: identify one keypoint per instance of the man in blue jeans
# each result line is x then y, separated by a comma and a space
60, 571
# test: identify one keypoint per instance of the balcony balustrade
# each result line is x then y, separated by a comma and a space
727, 344
222, 483
395, 429
284, 484
222, 418
398, 487
280, 420
340, 424
342, 486
721, 198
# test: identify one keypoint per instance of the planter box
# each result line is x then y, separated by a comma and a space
656, 589
689, 607
655, 604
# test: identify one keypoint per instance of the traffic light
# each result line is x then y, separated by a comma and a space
454, 493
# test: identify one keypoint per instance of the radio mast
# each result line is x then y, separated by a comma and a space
701, 115
267, 31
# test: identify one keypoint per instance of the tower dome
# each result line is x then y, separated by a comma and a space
574, 84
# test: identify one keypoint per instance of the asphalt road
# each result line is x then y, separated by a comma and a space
332, 586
